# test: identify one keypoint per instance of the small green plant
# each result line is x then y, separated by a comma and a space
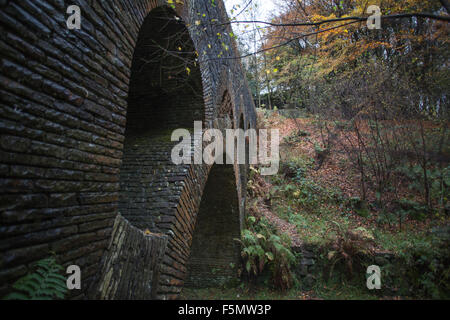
428, 268
438, 181
386, 217
348, 246
321, 153
298, 187
45, 283
295, 168
264, 250
412, 209
359, 206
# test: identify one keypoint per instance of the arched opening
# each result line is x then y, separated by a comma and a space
225, 110
166, 87
165, 94
214, 251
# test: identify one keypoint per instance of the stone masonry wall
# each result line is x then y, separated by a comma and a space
64, 96
130, 267
215, 252
150, 184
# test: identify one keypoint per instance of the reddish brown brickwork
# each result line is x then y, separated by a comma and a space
75, 144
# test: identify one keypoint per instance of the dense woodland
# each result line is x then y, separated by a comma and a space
365, 170
385, 91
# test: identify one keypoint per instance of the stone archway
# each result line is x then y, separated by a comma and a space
86, 138
215, 251
163, 96
157, 196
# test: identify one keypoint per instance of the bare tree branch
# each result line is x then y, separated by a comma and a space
355, 19
284, 43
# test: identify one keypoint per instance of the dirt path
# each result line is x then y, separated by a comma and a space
282, 225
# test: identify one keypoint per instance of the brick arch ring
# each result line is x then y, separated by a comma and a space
183, 220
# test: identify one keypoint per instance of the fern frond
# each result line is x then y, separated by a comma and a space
16, 296
45, 283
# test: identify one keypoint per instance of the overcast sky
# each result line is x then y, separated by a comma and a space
266, 9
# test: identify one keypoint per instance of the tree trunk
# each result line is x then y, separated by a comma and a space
424, 167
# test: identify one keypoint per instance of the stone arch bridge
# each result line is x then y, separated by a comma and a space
85, 123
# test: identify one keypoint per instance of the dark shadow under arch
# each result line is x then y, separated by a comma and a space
165, 94
214, 250
166, 86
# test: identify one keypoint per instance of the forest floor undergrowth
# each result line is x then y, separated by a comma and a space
313, 197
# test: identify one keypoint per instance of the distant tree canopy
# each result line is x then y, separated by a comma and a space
385, 90
344, 68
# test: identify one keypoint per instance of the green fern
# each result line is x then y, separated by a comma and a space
262, 249
44, 284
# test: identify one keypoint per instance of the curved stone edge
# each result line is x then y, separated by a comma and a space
130, 267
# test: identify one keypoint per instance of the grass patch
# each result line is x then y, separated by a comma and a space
333, 290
